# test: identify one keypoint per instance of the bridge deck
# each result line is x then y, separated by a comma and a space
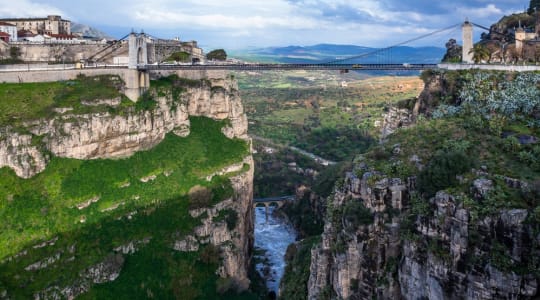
255, 67
273, 199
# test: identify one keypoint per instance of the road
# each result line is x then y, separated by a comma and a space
316, 158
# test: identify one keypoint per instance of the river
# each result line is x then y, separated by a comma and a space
272, 237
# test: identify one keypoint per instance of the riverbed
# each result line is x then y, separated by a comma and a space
272, 236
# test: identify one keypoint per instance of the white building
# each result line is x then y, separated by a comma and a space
10, 29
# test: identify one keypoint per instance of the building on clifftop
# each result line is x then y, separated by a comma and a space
8, 31
49, 25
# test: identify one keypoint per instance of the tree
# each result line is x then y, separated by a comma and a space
532, 5
480, 53
180, 56
218, 54
14, 53
453, 51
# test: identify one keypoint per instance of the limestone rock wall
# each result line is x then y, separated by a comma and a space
451, 255
235, 245
394, 119
221, 101
19, 153
104, 135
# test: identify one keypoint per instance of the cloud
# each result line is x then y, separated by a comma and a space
481, 12
26, 8
155, 17
273, 22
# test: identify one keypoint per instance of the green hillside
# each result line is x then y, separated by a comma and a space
73, 215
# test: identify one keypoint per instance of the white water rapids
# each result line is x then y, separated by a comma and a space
272, 236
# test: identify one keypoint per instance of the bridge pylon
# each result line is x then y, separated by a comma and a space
467, 34
137, 79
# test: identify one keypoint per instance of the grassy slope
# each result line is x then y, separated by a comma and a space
43, 207
37, 100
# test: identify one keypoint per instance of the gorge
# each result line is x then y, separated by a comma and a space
104, 197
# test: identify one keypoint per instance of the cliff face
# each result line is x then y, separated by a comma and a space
224, 223
405, 223
444, 261
235, 245
109, 135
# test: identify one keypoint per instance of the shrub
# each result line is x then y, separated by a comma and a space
444, 110
224, 285
145, 102
527, 157
325, 181
441, 171
356, 214
474, 122
229, 216
199, 197
511, 144
210, 255
180, 56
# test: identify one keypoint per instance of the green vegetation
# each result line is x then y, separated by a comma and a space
442, 169
180, 56
315, 113
356, 214
14, 56
306, 218
480, 118
125, 209
23, 102
274, 177
324, 185
480, 53
534, 5
298, 259
229, 216
218, 54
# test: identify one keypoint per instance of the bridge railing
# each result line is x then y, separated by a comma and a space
249, 66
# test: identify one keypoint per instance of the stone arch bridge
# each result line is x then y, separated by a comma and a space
272, 201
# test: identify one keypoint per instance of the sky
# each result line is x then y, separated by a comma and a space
243, 24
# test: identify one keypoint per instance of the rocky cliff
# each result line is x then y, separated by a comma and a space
450, 256
436, 212
108, 236
108, 135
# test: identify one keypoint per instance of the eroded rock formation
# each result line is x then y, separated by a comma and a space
106, 135
446, 260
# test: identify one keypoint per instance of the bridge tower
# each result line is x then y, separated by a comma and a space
137, 79
520, 37
467, 33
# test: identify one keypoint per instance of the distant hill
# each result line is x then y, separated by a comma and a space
89, 31
329, 52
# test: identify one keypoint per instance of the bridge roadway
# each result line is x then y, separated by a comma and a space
256, 67
273, 199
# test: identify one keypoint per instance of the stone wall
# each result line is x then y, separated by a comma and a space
57, 52
56, 75
508, 67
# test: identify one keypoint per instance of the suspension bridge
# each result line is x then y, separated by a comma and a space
144, 61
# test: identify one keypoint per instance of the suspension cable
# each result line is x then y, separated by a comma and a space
393, 46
